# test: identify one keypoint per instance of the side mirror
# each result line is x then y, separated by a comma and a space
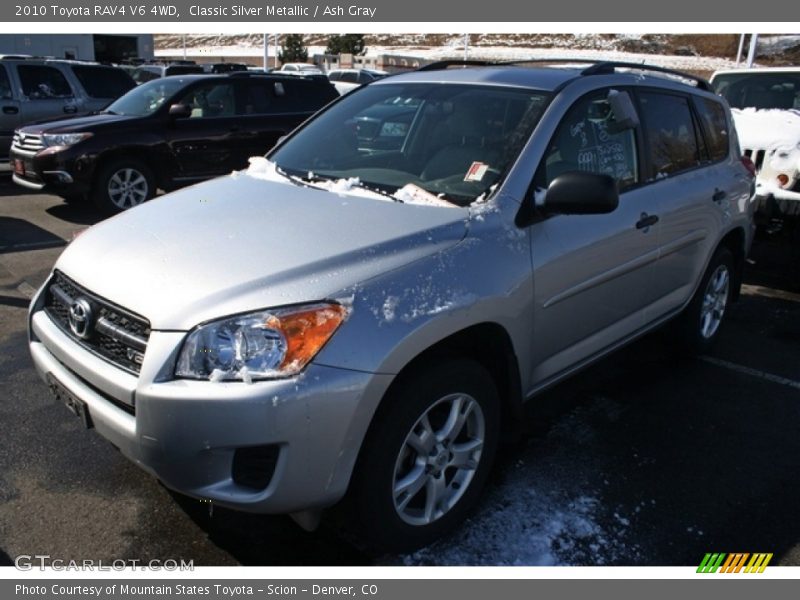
625, 116
180, 111
581, 193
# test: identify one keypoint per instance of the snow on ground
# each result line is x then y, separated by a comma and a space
548, 507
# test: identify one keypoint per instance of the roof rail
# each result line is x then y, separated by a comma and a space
598, 67
440, 65
607, 67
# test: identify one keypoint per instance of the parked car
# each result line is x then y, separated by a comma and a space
362, 317
766, 110
300, 69
163, 134
225, 67
36, 89
346, 80
149, 72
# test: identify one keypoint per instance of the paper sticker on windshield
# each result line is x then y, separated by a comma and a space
476, 171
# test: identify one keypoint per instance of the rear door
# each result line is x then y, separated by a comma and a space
46, 92
9, 114
692, 189
592, 273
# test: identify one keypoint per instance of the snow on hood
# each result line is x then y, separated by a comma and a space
767, 128
241, 243
262, 168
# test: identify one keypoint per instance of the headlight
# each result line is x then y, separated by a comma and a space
64, 139
262, 345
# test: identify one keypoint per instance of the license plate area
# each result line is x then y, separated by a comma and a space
75, 405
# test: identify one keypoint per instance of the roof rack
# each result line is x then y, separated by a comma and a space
607, 67
598, 67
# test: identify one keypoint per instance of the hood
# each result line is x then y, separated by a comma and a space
73, 124
239, 243
767, 128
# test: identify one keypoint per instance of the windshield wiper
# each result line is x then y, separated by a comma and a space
336, 184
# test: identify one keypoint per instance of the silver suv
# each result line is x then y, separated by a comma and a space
362, 313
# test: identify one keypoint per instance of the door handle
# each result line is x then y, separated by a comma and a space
10, 110
70, 109
719, 195
646, 221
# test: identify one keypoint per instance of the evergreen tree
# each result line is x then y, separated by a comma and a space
292, 49
351, 43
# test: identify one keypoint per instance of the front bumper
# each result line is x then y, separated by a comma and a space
56, 171
186, 433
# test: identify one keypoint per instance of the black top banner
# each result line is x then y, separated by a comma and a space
387, 11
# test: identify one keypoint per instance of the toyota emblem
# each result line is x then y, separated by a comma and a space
80, 318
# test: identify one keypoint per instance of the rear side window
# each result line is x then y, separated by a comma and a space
300, 95
715, 127
671, 134
586, 140
256, 99
5, 86
41, 83
103, 82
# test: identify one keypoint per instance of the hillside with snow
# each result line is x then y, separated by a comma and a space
697, 53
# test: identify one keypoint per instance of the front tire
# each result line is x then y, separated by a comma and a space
699, 325
427, 456
123, 184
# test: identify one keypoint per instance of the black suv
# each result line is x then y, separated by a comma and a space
163, 134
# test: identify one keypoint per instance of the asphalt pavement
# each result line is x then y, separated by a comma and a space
644, 459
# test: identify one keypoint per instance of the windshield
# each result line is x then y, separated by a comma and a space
451, 141
147, 98
759, 90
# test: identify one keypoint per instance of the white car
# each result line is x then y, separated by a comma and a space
346, 80
766, 111
300, 69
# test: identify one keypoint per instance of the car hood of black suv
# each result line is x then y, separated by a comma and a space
75, 124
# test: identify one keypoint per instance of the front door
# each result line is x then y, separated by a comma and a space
592, 273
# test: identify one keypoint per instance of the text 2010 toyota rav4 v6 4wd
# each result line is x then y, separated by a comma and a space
363, 312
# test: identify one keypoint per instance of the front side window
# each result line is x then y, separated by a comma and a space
453, 141
587, 140
43, 83
671, 133
211, 100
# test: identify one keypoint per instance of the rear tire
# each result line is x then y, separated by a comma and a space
697, 328
427, 456
123, 184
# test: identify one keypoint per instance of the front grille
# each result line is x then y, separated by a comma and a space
27, 143
757, 156
112, 333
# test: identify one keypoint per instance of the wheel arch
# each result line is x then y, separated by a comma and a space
735, 241
490, 345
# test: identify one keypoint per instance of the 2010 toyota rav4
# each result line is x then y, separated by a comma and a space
362, 312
